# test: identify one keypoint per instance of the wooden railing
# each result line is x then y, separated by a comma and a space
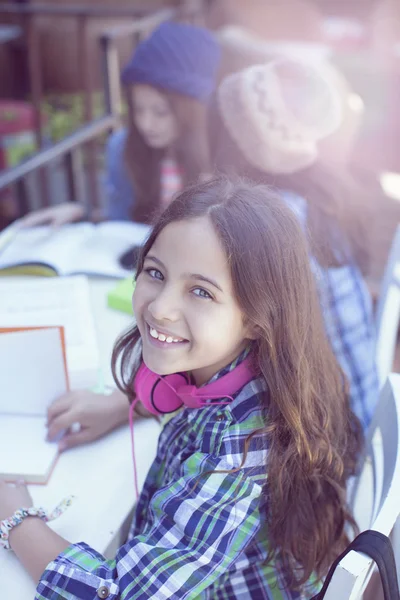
27, 15
77, 151
69, 150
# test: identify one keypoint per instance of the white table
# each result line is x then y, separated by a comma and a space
100, 474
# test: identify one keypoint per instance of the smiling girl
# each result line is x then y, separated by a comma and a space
246, 496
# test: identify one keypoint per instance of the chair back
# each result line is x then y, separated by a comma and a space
388, 312
375, 493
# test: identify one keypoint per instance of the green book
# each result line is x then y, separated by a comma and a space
120, 297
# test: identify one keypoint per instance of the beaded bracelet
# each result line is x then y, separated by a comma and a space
7, 524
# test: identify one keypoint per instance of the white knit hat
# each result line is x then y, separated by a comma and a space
277, 112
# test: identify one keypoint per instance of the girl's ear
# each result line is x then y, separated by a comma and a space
252, 332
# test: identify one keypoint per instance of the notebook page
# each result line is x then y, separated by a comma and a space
32, 371
7, 236
56, 301
58, 248
100, 252
24, 452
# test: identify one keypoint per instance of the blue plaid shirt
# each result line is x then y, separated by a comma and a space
347, 310
196, 534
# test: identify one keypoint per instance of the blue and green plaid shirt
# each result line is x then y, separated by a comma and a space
349, 322
196, 534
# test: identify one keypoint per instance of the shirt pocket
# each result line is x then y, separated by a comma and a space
214, 431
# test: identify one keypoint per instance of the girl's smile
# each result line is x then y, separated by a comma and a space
163, 339
184, 303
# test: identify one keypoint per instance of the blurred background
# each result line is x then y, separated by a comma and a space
60, 93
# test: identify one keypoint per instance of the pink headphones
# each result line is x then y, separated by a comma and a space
164, 394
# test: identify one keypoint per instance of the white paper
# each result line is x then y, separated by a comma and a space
32, 371
76, 248
54, 247
100, 252
56, 301
32, 376
24, 452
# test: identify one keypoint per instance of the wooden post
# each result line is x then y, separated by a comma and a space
87, 87
36, 89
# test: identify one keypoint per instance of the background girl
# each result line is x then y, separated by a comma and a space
245, 499
265, 124
167, 82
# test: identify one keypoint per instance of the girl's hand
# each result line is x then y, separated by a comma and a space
68, 212
13, 497
97, 414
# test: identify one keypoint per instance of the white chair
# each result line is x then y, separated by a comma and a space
375, 494
388, 312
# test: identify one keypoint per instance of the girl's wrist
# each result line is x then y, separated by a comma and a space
120, 409
36, 545
9, 525
31, 527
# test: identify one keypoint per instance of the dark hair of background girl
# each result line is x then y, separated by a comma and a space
336, 220
312, 436
144, 163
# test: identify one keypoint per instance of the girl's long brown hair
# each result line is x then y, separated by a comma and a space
144, 163
313, 438
337, 206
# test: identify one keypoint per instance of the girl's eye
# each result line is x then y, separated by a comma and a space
160, 113
202, 293
155, 273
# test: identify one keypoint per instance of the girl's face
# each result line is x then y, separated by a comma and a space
184, 305
153, 117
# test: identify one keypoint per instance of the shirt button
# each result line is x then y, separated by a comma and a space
103, 592
219, 418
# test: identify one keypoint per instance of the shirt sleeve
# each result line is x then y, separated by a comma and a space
119, 196
195, 528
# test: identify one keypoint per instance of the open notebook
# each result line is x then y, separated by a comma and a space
32, 375
80, 248
63, 301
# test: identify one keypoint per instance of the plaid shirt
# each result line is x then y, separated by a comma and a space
347, 311
196, 534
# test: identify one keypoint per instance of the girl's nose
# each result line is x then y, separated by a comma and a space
165, 306
147, 122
